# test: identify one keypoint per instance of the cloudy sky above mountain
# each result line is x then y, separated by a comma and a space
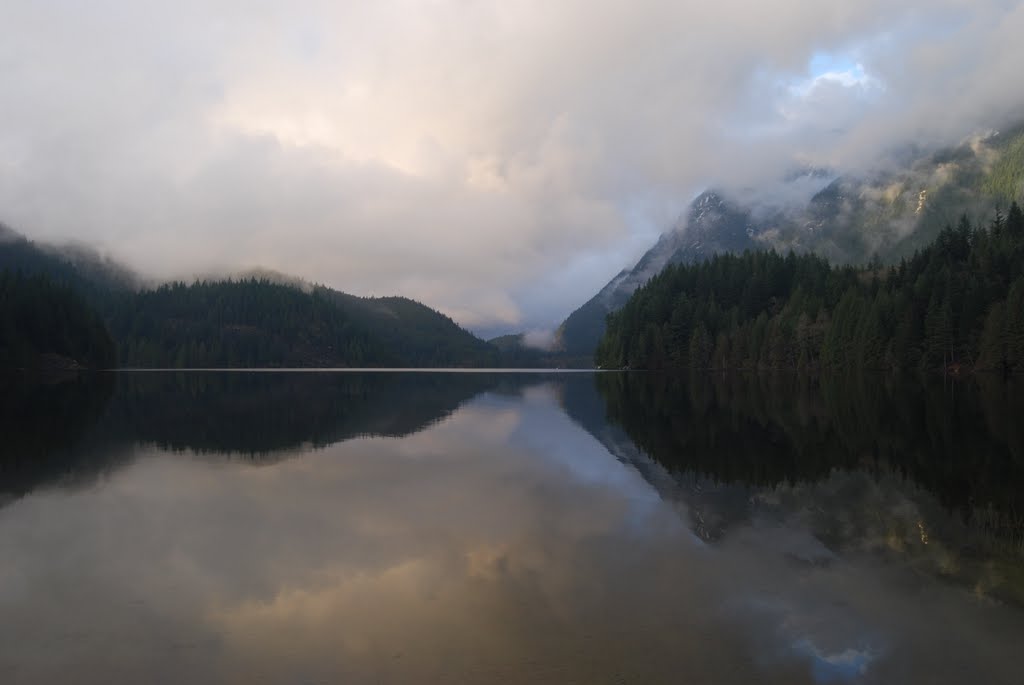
497, 160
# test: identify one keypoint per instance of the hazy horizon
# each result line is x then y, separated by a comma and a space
498, 162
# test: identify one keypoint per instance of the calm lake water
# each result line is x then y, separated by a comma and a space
510, 528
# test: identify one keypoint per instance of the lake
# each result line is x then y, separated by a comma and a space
432, 527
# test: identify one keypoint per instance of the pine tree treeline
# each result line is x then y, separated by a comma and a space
44, 324
234, 324
959, 302
252, 322
257, 323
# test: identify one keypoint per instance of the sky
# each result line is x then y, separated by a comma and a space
499, 161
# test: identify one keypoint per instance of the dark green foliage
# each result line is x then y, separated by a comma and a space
236, 324
255, 322
411, 333
957, 303
44, 324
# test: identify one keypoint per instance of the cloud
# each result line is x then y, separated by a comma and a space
464, 154
539, 339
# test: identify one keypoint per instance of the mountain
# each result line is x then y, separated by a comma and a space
270, 320
958, 303
415, 334
711, 226
74, 266
889, 213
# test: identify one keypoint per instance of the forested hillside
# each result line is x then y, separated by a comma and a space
413, 333
958, 302
46, 325
257, 323
231, 324
892, 212
249, 322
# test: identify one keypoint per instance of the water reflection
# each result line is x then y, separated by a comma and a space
900, 466
479, 528
74, 429
43, 425
962, 441
261, 415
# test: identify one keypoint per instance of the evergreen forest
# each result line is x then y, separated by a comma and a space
92, 313
956, 304
44, 324
256, 323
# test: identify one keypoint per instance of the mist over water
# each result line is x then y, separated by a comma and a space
474, 527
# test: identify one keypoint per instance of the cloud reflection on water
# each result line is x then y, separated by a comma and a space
501, 544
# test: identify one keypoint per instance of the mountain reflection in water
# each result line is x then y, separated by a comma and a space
498, 527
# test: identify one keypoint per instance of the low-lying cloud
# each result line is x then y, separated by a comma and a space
464, 154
